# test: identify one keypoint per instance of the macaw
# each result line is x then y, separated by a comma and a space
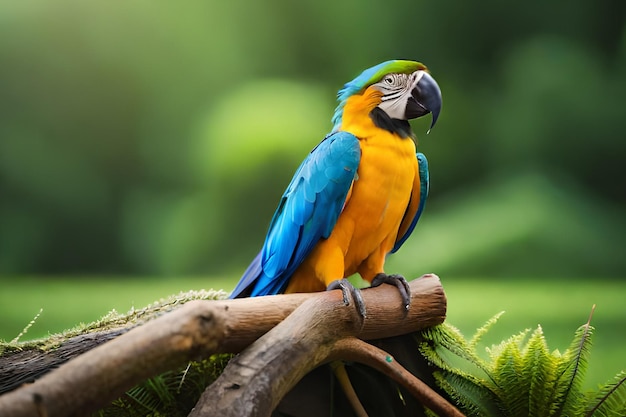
357, 196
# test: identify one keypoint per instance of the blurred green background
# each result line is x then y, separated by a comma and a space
153, 139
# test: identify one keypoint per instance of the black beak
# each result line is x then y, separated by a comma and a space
426, 98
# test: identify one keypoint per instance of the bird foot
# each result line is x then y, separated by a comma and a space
347, 288
399, 282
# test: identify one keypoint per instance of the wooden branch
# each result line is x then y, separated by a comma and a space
26, 366
201, 328
357, 350
254, 382
97, 377
244, 325
339, 369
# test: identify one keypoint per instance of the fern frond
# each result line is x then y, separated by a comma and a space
495, 351
144, 398
170, 394
446, 335
521, 377
610, 400
472, 397
567, 398
509, 374
483, 330
164, 387
539, 370
445, 347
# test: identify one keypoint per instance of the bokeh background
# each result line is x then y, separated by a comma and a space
151, 140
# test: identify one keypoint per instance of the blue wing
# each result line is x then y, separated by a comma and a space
416, 213
307, 212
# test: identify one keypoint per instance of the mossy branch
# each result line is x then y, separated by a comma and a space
201, 328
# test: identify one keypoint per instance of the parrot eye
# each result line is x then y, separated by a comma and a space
389, 79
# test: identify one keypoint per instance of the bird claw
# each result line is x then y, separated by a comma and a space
400, 282
347, 288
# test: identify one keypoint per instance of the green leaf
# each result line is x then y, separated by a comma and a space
610, 400
483, 330
471, 395
445, 347
522, 377
568, 398
539, 370
510, 376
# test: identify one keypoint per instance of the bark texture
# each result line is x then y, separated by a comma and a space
284, 337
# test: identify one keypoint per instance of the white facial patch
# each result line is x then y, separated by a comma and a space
396, 89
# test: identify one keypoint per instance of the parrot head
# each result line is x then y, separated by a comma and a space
407, 91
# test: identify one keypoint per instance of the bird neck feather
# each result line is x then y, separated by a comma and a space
361, 111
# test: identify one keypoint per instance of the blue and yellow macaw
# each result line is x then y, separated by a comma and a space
357, 196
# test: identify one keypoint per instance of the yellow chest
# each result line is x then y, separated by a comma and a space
380, 195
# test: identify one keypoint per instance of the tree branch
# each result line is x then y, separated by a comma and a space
201, 328
254, 382
359, 351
